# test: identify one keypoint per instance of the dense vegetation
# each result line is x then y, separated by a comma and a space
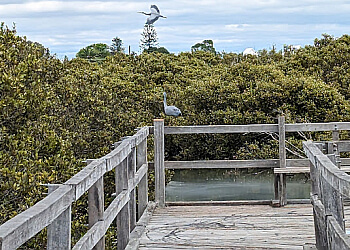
55, 114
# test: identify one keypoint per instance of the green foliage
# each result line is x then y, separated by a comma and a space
56, 114
328, 59
95, 52
206, 46
155, 49
117, 46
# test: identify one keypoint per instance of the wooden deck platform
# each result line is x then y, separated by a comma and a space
229, 227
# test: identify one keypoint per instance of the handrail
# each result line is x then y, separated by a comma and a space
329, 186
130, 156
282, 165
254, 128
129, 160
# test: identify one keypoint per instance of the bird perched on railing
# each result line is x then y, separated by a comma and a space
154, 15
170, 110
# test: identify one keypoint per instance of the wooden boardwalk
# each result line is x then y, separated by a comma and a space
230, 227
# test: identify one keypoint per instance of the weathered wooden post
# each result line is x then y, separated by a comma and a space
123, 218
159, 170
335, 138
96, 206
280, 179
335, 133
59, 231
142, 191
131, 174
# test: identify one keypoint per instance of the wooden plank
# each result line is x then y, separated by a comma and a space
290, 170
335, 135
337, 238
255, 128
99, 229
24, 226
114, 208
343, 146
96, 208
90, 239
59, 231
311, 151
132, 192
345, 162
296, 170
115, 157
281, 179
282, 142
159, 162
139, 175
332, 201
84, 179
123, 222
142, 190
203, 164
229, 227
141, 135
317, 126
333, 175
220, 129
140, 227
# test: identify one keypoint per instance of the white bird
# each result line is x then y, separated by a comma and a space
170, 110
153, 16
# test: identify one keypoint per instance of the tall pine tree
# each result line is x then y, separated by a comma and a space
149, 37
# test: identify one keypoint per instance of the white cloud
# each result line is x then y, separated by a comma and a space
18, 9
66, 26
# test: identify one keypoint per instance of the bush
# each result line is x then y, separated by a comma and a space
56, 114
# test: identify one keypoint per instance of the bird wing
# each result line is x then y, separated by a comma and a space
172, 110
154, 9
152, 19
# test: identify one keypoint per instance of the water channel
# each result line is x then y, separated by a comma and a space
232, 184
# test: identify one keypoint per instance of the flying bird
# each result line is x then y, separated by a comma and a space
170, 110
153, 16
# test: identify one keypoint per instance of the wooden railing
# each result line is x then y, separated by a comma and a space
281, 166
330, 186
129, 159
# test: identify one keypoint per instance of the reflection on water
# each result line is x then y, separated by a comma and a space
237, 184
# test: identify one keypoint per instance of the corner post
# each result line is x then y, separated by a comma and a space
59, 231
280, 179
159, 170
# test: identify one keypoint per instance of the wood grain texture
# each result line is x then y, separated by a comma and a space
329, 186
159, 170
221, 129
254, 128
142, 190
59, 231
229, 227
98, 230
19, 229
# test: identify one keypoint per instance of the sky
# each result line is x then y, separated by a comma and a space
66, 26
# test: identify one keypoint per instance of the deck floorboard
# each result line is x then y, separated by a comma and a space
229, 227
